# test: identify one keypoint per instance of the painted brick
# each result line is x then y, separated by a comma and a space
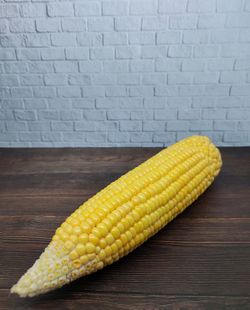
211, 21
31, 80
116, 38
29, 136
69, 91
9, 10
170, 7
116, 91
224, 36
179, 78
144, 65
9, 80
55, 79
101, 53
48, 115
79, 79
142, 114
39, 126
116, 66
155, 103
141, 91
89, 39
4, 26
27, 54
37, 40
229, 5
177, 125
168, 37
88, 8
201, 125
73, 24
238, 114
155, 23
238, 137
15, 67
220, 64
206, 77
62, 9
48, 25
16, 126
130, 125
244, 125
62, 126
215, 114
193, 65
233, 77
70, 115
238, 20
143, 7
169, 114
7, 54
21, 92
90, 66
104, 79
201, 6
230, 102
66, 66
118, 137
24, 115
52, 53
127, 23
128, 79
240, 90
35, 104
245, 35
20, 25
101, 24
180, 51
127, 52
44, 92
195, 36
183, 22
33, 10
154, 51
202, 51
163, 91
242, 64
224, 125
153, 78
94, 115
153, 125
51, 136
85, 126
63, 39
141, 137
203, 102
115, 8
189, 114
166, 137
118, 115
142, 38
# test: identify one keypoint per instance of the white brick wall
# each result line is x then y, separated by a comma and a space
124, 72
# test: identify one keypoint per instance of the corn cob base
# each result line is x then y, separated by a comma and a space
124, 215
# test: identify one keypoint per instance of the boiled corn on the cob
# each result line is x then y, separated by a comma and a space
124, 214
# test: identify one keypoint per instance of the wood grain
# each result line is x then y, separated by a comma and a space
199, 261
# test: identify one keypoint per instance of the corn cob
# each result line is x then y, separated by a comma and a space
124, 215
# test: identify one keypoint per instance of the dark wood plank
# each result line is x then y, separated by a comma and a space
102, 301
199, 261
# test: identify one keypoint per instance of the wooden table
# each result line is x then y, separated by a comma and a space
199, 261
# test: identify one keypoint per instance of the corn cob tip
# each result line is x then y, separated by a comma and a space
53, 269
124, 215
